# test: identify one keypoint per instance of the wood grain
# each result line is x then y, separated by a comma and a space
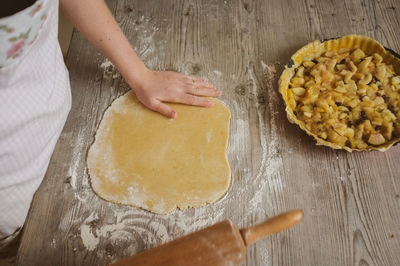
351, 201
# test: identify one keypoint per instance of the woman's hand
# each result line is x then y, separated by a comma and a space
153, 88
94, 20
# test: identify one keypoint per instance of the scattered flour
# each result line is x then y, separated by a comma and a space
89, 239
106, 65
53, 243
73, 170
268, 174
217, 73
109, 70
150, 43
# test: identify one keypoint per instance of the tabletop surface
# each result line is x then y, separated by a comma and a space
351, 201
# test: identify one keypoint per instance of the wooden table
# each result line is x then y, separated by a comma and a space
351, 201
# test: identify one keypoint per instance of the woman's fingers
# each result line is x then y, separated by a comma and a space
162, 108
193, 100
202, 88
192, 79
161, 87
203, 91
198, 82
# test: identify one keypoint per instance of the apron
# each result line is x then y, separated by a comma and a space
35, 99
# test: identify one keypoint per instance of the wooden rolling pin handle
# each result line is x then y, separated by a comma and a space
271, 226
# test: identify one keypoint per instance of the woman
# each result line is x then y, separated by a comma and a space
35, 93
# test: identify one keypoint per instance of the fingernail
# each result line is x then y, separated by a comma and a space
173, 114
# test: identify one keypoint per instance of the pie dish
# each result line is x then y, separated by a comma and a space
345, 92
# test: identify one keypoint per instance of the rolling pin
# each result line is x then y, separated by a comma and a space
219, 244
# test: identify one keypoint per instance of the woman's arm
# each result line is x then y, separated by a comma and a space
94, 20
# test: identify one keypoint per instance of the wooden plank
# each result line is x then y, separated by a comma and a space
337, 215
350, 200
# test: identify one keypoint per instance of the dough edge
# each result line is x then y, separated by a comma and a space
218, 197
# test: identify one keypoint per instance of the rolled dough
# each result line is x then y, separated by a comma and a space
144, 159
